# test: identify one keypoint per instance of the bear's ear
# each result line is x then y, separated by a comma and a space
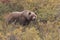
29, 13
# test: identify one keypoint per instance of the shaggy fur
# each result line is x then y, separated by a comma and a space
24, 17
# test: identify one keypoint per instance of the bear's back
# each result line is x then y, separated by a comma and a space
15, 14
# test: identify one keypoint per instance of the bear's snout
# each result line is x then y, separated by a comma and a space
34, 18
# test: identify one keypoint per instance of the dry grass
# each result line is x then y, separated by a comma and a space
49, 31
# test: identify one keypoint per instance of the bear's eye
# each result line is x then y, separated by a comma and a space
29, 13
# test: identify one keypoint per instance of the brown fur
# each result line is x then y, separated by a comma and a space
24, 17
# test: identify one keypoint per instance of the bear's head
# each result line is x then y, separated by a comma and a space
29, 15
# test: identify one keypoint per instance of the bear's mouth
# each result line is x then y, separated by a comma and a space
34, 18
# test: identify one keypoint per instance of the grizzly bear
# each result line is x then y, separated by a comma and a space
23, 18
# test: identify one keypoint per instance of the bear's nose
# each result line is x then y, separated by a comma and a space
34, 18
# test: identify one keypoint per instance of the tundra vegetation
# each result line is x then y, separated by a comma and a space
46, 27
